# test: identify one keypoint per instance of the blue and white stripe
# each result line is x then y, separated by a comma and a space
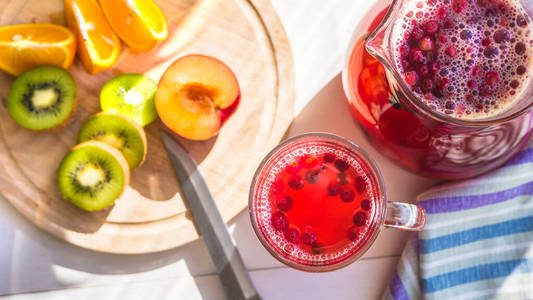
478, 241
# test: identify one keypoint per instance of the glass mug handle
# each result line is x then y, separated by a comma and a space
405, 216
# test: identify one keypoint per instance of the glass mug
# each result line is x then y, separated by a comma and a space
317, 202
406, 130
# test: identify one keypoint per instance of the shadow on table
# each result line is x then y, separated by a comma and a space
328, 111
70, 266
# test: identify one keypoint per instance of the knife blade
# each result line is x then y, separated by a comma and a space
225, 256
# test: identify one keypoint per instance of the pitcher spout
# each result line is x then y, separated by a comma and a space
377, 43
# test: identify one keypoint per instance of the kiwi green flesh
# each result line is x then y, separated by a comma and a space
117, 132
91, 178
131, 95
42, 98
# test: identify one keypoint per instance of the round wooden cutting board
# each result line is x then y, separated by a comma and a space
151, 215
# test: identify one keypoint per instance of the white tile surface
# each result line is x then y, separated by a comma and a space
278, 283
319, 32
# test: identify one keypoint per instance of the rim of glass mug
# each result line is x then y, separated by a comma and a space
379, 220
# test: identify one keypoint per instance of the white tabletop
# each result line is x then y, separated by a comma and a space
34, 264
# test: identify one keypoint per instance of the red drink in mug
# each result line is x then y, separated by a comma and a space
317, 203
447, 90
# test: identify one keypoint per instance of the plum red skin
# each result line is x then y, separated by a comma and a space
229, 111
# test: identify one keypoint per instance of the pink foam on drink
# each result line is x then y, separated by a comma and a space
465, 59
292, 252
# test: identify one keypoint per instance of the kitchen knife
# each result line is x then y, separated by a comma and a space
227, 260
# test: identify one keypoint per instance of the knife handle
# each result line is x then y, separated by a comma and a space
235, 279
224, 254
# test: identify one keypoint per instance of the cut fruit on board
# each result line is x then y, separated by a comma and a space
151, 215
98, 45
119, 132
26, 46
139, 23
131, 95
196, 96
42, 98
93, 175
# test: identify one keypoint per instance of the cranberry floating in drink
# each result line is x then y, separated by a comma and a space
464, 55
447, 89
317, 203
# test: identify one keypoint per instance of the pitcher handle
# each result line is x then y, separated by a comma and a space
405, 216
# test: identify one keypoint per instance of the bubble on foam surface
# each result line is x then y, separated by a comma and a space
487, 36
263, 209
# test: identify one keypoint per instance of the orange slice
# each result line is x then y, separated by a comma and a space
23, 47
98, 45
139, 23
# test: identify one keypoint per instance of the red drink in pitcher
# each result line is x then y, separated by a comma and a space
449, 94
466, 59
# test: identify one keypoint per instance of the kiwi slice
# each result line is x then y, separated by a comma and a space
131, 95
42, 98
93, 175
119, 132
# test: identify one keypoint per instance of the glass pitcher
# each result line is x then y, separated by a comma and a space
406, 130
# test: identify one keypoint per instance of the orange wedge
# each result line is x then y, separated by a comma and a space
23, 47
98, 45
139, 23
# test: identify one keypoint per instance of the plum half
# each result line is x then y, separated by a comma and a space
196, 95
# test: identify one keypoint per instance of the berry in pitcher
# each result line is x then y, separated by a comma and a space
463, 56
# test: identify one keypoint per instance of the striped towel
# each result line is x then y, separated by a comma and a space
478, 240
